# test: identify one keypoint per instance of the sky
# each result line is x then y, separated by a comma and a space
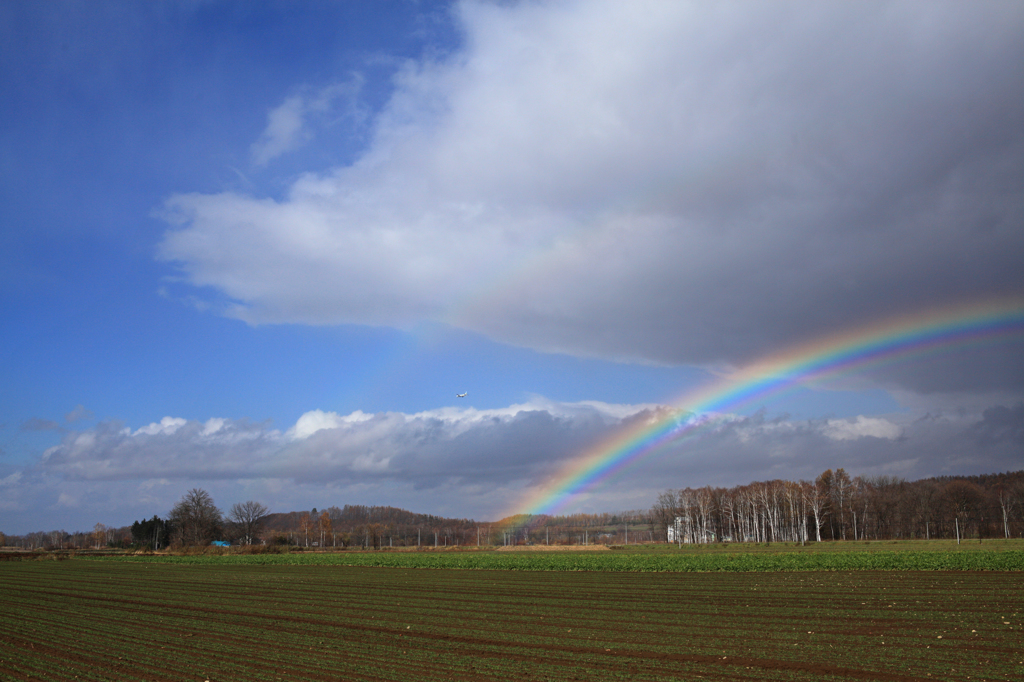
259, 248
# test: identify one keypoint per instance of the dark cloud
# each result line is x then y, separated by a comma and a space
693, 183
756, 449
1001, 424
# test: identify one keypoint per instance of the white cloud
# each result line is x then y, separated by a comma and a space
213, 425
370, 464
66, 500
77, 414
686, 183
424, 448
167, 425
284, 132
861, 427
288, 124
478, 463
318, 420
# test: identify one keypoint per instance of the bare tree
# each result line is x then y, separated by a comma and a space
928, 506
306, 524
825, 482
248, 518
962, 498
886, 495
665, 509
815, 496
860, 497
703, 508
841, 488
791, 494
375, 530
335, 516
99, 535
1007, 503
323, 524
196, 519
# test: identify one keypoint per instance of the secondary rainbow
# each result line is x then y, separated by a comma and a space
892, 340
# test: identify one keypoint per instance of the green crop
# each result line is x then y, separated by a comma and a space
677, 562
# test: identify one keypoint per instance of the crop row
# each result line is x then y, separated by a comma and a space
159, 621
680, 562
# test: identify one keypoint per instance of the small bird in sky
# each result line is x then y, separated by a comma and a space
461, 395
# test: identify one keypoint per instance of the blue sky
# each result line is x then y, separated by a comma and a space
259, 247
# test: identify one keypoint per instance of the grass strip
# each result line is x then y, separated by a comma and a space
682, 562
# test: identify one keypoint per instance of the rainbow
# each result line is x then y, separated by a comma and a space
882, 343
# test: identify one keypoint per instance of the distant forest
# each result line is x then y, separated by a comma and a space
834, 506
837, 507
375, 527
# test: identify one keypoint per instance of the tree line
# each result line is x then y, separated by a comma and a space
193, 520
196, 520
374, 527
370, 527
836, 506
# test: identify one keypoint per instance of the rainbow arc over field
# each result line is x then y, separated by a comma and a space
889, 341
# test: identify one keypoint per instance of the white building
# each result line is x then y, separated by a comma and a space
677, 533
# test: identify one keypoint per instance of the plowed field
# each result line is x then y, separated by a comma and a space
81, 619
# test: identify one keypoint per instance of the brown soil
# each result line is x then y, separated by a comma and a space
157, 622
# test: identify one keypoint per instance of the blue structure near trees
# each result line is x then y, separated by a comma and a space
220, 543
